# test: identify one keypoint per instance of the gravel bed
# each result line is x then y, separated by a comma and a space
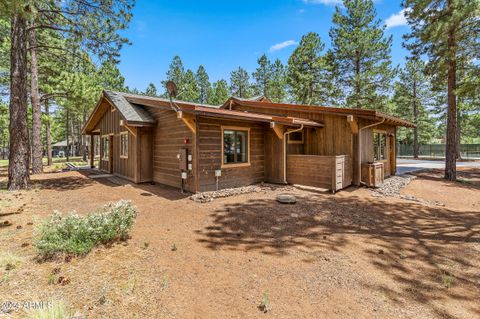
206, 197
392, 186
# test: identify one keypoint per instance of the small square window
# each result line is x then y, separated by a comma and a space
296, 138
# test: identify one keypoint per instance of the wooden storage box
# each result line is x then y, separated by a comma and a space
373, 174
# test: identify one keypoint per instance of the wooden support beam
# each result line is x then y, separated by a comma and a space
353, 123
131, 129
278, 129
189, 121
92, 151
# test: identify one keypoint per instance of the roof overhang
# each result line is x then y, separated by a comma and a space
361, 113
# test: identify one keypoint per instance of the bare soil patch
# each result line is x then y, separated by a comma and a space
328, 256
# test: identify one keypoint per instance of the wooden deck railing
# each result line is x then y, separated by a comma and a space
330, 172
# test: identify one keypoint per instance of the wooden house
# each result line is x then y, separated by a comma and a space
242, 142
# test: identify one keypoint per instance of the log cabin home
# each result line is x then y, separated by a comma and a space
242, 142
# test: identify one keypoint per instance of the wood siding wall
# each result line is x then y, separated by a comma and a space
110, 124
209, 141
168, 139
367, 146
330, 172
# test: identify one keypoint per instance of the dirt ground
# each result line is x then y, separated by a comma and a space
347, 255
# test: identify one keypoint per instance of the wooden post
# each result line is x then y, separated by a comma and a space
92, 151
357, 161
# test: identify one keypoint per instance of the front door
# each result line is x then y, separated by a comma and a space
110, 154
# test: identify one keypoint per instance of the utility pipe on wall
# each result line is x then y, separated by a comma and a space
285, 151
359, 162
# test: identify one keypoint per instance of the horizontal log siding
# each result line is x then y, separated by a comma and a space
169, 136
110, 124
210, 155
319, 171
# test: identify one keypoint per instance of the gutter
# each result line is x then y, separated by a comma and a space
285, 151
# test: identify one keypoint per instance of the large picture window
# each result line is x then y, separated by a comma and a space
105, 148
236, 143
379, 146
124, 145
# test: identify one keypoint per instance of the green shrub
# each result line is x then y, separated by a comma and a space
77, 235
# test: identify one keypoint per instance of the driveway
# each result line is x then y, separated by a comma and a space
408, 165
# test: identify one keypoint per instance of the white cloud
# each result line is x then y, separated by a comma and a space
326, 2
282, 45
396, 20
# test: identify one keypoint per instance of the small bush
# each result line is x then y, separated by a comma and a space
9, 261
74, 234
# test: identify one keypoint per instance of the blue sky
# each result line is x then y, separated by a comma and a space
225, 34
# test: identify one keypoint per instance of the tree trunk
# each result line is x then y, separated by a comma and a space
48, 135
37, 147
459, 128
415, 120
450, 156
67, 130
18, 168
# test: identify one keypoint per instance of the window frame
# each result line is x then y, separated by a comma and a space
235, 128
105, 155
379, 149
296, 141
122, 134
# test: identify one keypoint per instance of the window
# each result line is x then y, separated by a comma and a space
236, 142
379, 146
295, 137
124, 145
105, 148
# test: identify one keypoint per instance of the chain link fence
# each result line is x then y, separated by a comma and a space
467, 151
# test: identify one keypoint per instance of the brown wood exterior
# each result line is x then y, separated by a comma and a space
324, 157
131, 167
209, 156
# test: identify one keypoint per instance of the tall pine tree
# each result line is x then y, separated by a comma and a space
413, 95
263, 76
447, 32
239, 83
190, 92
151, 90
176, 73
361, 55
306, 71
278, 92
203, 82
219, 93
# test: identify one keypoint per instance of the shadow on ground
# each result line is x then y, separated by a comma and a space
417, 246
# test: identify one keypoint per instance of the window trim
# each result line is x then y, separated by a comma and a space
235, 128
128, 138
380, 139
107, 136
294, 141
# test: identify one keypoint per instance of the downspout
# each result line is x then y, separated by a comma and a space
285, 151
359, 162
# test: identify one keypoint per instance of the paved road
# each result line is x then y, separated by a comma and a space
408, 165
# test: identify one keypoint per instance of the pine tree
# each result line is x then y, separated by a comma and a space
278, 79
447, 32
263, 77
191, 92
176, 73
110, 76
219, 93
204, 85
151, 90
413, 95
305, 75
361, 54
239, 83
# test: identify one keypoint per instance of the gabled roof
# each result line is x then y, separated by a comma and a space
133, 111
362, 113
